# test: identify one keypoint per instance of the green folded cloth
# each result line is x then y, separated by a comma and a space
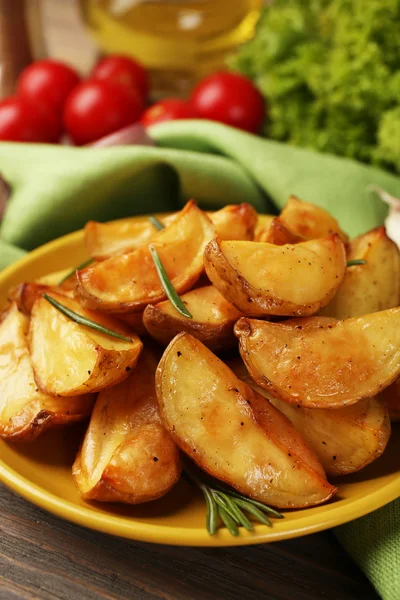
57, 189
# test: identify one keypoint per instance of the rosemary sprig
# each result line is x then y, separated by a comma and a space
72, 272
227, 504
167, 285
77, 318
355, 261
156, 223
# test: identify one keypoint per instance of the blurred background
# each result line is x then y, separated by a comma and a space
323, 74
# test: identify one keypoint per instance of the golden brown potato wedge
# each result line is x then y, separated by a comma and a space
370, 287
103, 240
309, 221
69, 359
232, 432
25, 411
391, 399
263, 279
127, 283
345, 440
277, 233
329, 365
25, 294
127, 454
235, 222
212, 323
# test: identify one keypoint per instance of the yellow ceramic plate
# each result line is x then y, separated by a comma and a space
41, 472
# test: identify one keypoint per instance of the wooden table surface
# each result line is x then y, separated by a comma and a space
43, 557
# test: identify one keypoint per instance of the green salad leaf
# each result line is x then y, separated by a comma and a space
330, 71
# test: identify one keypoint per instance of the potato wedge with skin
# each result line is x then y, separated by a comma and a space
391, 399
232, 432
373, 286
277, 233
129, 282
25, 411
71, 359
345, 440
309, 220
127, 455
263, 279
25, 294
212, 322
332, 365
103, 240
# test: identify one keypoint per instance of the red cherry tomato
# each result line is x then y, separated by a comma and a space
229, 98
24, 121
96, 108
122, 69
48, 83
167, 110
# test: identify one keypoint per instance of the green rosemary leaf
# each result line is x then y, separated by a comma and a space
228, 521
156, 223
167, 285
234, 494
355, 261
70, 314
223, 504
81, 266
212, 511
253, 510
239, 515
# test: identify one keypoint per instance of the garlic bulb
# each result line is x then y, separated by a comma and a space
392, 222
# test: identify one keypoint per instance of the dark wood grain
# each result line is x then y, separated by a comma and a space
44, 557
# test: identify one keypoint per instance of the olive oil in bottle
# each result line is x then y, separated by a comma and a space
178, 41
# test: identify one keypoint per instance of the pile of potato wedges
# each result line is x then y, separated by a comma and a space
287, 372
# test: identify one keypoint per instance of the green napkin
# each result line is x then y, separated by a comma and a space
57, 189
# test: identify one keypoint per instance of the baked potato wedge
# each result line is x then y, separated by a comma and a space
103, 240
25, 294
391, 399
370, 287
127, 455
329, 365
25, 411
232, 432
70, 359
309, 220
212, 323
277, 233
258, 278
345, 440
128, 282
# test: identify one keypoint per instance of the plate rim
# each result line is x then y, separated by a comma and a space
164, 534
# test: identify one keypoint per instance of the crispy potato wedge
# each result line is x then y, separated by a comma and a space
309, 221
127, 454
127, 283
134, 321
373, 286
329, 365
277, 233
25, 411
103, 240
25, 294
232, 432
212, 323
345, 440
69, 359
391, 399
235, 222
263, 279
